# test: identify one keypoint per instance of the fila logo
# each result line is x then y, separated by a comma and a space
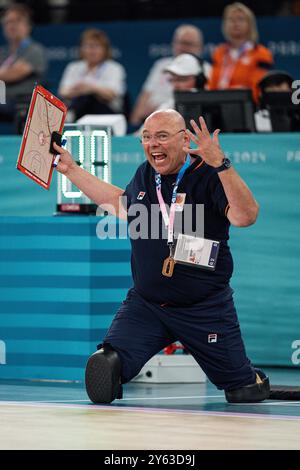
212, 338
141, 195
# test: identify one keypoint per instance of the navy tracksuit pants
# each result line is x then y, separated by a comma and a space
209, 331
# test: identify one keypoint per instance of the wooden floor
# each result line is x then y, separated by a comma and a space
177, 416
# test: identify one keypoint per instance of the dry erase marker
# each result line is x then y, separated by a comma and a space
56, 160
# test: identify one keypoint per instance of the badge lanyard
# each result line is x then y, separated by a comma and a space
169, 220
229, 65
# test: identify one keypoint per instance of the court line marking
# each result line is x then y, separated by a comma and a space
173, 398
225, 414
265, 403
279, 403
133, 399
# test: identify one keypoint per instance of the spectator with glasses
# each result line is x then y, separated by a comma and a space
157, 89
170, 301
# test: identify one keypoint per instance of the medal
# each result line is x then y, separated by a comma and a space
168, 266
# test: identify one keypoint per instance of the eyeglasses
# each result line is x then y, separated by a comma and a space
160, 137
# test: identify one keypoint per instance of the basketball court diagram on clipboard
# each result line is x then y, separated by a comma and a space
46, 115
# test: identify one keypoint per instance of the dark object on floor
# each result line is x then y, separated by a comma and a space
284, 392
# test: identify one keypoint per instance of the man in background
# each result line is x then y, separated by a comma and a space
157, 89
185, 73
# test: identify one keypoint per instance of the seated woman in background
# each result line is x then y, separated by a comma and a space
241, 62
96, 83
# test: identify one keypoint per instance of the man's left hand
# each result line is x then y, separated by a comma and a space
207, 147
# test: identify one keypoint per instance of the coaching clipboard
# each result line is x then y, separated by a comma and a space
46, 115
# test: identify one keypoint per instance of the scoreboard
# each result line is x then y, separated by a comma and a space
90, 146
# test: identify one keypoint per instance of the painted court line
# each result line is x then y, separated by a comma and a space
133, 399
127, 409
174, 398
266, 403
280, 403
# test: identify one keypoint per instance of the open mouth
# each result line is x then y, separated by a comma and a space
158, 156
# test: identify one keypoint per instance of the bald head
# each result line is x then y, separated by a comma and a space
187, 39
170, 116
164, 140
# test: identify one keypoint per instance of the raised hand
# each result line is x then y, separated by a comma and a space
207, 147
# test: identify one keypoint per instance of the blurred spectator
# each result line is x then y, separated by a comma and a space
185, 73
241, 62
96, 83
156, 89
23, 63
274, 81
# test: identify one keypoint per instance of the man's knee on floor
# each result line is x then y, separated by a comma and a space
103, 375
131, 361
253, 393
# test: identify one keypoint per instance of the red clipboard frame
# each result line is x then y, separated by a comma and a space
48, 96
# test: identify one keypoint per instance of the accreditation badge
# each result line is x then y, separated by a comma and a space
196, 251
180, 200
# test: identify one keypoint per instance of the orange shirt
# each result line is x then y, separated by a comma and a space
243, 71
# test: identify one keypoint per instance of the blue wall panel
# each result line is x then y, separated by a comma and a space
53, 314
